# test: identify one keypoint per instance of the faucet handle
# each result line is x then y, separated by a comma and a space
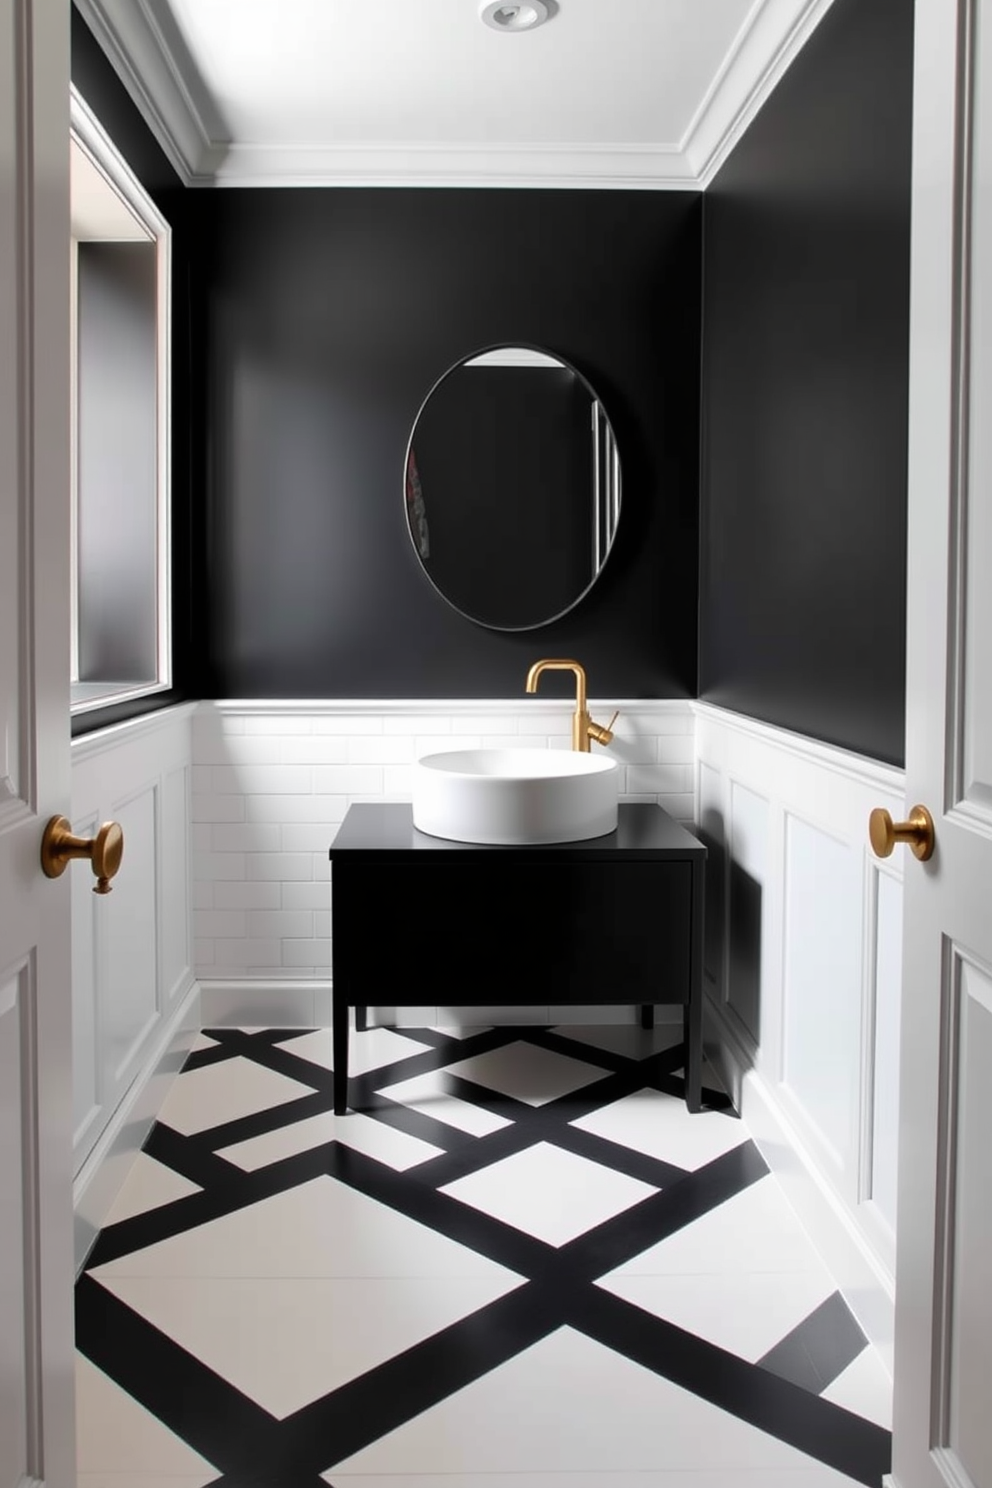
600, 734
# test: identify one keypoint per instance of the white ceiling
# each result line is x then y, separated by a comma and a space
643, 93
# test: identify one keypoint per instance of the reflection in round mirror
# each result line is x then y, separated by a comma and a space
512, 487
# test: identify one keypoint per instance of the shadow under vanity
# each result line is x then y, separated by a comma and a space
616, 919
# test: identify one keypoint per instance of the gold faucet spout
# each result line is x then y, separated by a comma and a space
560, 666
583, 728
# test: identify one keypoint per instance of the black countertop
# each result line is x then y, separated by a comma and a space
643, 831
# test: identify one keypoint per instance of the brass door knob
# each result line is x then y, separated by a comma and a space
59, 846
917, 833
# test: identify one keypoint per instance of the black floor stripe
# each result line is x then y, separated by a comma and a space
846, 1442
557, 1041
820, 1348
236, 1191
215, 1419
518, 1252
617, 1158
418, 1124
382, 1400
635, 1230
557, 1283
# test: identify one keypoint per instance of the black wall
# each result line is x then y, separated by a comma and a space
805, 375
310, 324
329, 315
99, 86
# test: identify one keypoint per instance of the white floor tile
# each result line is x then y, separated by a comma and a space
570, 1406
114, 1434
141, 1480
426, 1094
203, 1098
627, 1039
463, 1030
321, 1229
203, 1041
287, 1343
864, 1387
745, 1314
548, 1192
527, 1073
756, 1230
661, 1126
362, 1133
148, 1185
371, 1050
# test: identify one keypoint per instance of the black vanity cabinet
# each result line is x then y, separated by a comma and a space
419, 919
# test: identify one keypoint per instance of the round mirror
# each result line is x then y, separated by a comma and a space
512, 487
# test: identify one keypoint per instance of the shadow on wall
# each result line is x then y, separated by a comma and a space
733, 921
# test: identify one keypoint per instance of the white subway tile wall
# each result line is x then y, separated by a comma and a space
271, 783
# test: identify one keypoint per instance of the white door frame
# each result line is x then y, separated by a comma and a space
37, 1429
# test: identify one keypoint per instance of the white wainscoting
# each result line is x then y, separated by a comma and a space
135, 1007
271, 784
235, 805
803, 977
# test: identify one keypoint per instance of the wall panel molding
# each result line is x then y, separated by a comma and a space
828, 1007
123, 1133
131, 950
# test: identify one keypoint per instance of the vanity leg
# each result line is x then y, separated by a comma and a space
361, 1018
693, 1020
339, 1045
647, 1015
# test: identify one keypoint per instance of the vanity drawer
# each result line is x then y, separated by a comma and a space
487, 929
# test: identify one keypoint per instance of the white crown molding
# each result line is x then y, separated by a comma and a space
171, 100
147, 51
773, 34
629, 167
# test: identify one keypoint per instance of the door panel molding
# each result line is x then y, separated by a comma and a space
969, 755
964, 1174
20, 1294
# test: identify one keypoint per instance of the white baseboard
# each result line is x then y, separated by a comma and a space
99, 1179
247, 1003
868, 1288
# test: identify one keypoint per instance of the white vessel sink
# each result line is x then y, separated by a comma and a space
515, 797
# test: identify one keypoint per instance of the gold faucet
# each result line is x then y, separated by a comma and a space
583, 728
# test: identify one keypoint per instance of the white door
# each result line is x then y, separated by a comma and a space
943, 1371
36, 1355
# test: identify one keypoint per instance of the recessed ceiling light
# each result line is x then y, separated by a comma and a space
507, 15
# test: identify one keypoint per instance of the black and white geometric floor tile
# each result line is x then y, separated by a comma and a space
518, 1262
